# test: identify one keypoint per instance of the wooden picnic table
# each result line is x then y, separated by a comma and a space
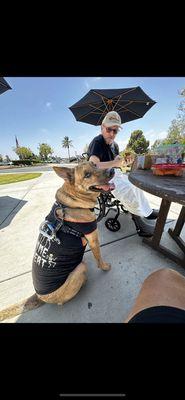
170, 189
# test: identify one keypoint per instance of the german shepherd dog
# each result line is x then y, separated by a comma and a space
58, 269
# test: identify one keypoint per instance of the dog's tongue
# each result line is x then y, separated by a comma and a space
110, 186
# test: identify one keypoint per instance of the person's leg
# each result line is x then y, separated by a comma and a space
134, 201
132, 198
70, 288
164, 287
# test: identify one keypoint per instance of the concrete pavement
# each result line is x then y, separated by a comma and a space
107, 296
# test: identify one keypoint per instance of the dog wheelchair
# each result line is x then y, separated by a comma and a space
105, 203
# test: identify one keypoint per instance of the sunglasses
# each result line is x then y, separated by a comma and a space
112, 130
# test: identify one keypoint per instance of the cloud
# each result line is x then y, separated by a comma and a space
49, 105
162, 135
155, 136
150, 132
152, 135
97, 79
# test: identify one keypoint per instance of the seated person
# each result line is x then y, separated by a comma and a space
161, 299
104, 152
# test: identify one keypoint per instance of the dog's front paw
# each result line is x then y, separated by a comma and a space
105, 266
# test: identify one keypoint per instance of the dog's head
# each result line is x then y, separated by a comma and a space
86, 177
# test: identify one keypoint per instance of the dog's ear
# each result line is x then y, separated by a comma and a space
66, 173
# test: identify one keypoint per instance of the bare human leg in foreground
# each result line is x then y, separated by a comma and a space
164, 287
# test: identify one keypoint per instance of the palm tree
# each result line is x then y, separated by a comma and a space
67, 143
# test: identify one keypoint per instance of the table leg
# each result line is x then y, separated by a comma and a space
175, 233
159, 227
154, 241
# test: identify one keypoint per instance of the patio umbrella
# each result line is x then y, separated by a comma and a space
3, 85
130, 103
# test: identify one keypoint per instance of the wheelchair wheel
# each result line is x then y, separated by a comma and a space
112, 224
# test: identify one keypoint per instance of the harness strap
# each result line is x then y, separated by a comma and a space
53, 224
68, 229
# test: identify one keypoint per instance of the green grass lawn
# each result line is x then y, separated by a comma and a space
11, 178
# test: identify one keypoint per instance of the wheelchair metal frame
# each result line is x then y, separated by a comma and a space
107, 202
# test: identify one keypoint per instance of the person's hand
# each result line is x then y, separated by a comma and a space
119, 162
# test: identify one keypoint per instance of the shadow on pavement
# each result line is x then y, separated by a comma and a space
9, 206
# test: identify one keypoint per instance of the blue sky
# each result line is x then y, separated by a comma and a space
36, 110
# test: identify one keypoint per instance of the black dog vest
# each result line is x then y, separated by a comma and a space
57, 255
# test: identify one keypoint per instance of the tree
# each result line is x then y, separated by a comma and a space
182, 92
44, 151
138, 142
23, 152
176, 131
182, 106
36, 159
66, 143
1, 158
181, 115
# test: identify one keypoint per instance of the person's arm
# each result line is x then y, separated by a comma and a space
117, 163
95, 153
118, 157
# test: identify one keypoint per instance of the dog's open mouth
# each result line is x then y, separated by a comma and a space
103, 188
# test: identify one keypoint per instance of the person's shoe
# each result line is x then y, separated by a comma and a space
154, 214
143, 229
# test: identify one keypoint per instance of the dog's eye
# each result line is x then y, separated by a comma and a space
87, 175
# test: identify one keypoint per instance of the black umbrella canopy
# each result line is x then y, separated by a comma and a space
3, 85
130, 103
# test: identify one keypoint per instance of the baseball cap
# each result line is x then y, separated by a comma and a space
112, 118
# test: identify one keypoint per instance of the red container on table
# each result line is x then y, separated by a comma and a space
168, 169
